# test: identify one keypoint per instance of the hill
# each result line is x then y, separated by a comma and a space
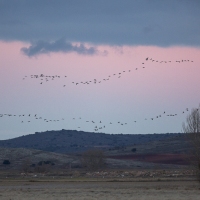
72, 141
63, 149
18, 157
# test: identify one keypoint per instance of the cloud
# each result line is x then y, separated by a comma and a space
44, 47
113, 22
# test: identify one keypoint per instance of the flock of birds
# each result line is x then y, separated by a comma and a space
100, 124
46, 78
97, 125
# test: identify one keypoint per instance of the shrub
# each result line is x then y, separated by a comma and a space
133, 149
6, 162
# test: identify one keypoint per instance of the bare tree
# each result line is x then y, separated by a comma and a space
93, 159
192, 129
26, 165
42, 167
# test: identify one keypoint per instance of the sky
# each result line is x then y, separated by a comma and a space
116, 67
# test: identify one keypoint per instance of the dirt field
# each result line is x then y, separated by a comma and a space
90, 190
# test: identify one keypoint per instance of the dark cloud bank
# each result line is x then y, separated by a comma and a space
110, 22
43, 47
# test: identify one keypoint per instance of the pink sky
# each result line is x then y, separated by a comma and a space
136, 95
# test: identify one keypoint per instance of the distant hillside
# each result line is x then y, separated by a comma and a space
19, 156
72, 141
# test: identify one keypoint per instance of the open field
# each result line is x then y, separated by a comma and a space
176, 159
126, 175
103, 189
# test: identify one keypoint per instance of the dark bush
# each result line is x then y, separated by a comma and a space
133, 149
6, 162
45, 163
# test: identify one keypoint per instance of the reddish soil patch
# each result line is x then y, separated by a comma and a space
177, 159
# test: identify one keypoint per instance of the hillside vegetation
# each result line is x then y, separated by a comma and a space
72, 141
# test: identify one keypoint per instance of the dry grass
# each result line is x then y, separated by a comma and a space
86, 190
